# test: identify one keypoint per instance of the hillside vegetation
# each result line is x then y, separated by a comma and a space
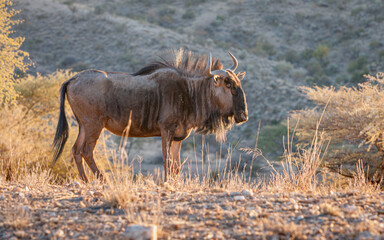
280, 44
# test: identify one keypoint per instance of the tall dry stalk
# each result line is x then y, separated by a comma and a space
300, 167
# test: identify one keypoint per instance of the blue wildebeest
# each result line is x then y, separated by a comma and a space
170, 97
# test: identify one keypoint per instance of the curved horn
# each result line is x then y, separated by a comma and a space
235, 62
208, 71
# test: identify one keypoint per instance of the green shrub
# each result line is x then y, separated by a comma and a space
263, 47
321, 52
357, 69
292, 56
314, 68
189, 14
271, 138
283, 69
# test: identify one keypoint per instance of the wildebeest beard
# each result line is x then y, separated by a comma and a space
216, 124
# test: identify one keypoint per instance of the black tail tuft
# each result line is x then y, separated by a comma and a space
62, 126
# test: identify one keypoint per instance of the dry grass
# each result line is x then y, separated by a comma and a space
276, 227
330, 209
299, 169
27, 129
18, 218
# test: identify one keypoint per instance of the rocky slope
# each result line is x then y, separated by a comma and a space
280, 44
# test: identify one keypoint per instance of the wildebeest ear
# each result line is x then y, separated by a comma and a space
216, 80
240, 75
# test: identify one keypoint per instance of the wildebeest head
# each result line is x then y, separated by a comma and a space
227, 91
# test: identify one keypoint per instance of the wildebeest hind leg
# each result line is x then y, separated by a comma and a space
76, 152
91, 137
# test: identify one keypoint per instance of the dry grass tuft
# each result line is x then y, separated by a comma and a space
18, 218
300, 167
280, 229
329, 209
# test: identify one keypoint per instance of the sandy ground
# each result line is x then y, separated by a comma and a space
76, 211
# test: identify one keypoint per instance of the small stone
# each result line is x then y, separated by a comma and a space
246, 192
75, 184
57, 204
232, 194
2, 197
253, 213
219, 235
99, 194
239, 198
82, 204
16, 189
140, 232
20, 234
352, 209
59, 233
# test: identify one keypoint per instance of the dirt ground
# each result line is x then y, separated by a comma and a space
76, 211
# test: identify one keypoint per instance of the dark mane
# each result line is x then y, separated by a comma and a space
183, 61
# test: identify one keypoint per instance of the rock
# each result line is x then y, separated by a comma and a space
59, 233
247, 192
57, 204
75, 184
140, 232
239, 198
232, 194
352, 209
20, 234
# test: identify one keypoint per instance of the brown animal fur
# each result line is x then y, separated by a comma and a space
167, 98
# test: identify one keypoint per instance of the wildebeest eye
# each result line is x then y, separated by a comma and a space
228, 85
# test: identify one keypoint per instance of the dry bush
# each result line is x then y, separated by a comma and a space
28, 127
301, 169
354, 122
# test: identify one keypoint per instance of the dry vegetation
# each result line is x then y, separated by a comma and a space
352, 120
295, 202
194, 206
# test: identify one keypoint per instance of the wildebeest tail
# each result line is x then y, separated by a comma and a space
61, 135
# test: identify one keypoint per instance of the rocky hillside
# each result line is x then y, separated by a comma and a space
280, 44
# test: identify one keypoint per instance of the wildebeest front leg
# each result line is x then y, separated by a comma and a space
176, 164
166, 142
